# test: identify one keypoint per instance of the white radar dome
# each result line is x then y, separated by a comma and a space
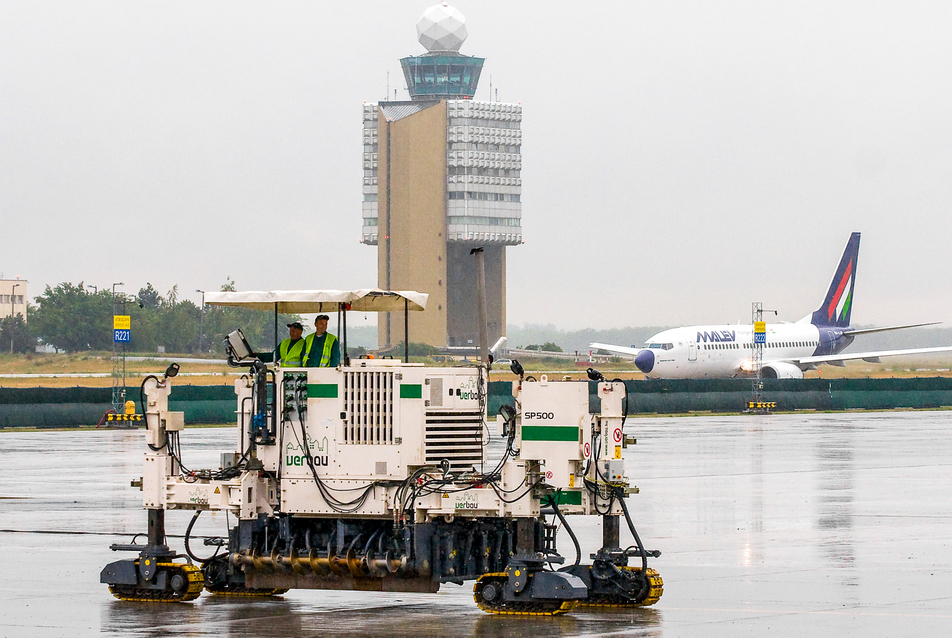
442, 28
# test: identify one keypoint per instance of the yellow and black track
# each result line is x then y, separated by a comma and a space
237, 590
516, 608
190, 577
655, 590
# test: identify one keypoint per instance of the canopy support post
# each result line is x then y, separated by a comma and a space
406, 330
345, 358
275, 326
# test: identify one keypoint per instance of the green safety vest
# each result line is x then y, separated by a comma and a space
325, 353
292, 354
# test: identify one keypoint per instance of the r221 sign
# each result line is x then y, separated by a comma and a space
122, 336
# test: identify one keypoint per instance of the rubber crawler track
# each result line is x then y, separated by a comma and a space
655, 590
519, 608
196, 583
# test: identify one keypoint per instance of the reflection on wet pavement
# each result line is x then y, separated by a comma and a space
833, 524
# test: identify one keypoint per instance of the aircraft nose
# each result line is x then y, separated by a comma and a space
645, 361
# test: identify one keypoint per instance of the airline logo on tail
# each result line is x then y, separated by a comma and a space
836, 307
839, 307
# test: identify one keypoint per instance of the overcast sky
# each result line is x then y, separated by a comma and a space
680, 159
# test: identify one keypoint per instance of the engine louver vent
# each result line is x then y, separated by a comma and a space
455, 436
368, 407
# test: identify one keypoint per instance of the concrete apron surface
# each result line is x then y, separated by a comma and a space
792, 525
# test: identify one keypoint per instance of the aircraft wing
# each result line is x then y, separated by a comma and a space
631, 352
866, 331
873, 356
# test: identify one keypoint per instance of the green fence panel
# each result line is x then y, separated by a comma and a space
31, 396
64, 407
500, 393
46, 415
204, 411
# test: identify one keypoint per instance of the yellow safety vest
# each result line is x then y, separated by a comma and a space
292, 355
325, 353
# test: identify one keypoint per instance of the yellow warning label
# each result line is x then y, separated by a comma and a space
217, 490
617, 451
121, 322
571, 480
445, 495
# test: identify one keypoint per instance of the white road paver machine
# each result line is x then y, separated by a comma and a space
374, 476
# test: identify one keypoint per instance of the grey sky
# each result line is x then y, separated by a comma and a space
680, 159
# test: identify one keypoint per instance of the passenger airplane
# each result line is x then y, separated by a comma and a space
706, 352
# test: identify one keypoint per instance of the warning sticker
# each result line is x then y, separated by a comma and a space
617, 435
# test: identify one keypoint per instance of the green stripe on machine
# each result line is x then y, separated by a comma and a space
411, 391
569, 498
549, 433
321, 390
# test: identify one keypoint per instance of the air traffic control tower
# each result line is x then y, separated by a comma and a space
441, 177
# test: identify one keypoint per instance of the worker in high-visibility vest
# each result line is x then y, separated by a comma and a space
291, 351
322, 349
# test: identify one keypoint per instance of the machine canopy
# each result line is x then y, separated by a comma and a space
305, 301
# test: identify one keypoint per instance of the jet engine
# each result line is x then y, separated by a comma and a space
779, 370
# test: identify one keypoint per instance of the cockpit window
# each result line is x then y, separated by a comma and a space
661, 346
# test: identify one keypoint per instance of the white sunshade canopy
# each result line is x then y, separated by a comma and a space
303, 301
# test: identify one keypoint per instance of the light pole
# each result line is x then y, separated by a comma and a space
201, 322
95, 288
13, 298
118, 392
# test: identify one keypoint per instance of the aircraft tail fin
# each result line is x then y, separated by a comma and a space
836, 307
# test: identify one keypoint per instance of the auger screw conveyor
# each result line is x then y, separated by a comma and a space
374, 476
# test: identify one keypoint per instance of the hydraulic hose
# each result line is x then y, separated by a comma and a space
634, 532
188, 533
554, 502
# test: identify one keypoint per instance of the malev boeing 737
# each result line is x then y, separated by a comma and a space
706, 352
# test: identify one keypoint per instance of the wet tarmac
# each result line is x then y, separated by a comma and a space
790, 525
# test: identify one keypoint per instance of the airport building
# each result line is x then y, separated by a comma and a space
13, 298
442, 176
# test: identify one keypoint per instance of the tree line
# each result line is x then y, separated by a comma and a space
69, 317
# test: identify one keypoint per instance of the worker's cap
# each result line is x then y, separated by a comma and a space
319, 317
296, 324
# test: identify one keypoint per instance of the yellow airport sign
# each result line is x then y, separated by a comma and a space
760, 326
121, 322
